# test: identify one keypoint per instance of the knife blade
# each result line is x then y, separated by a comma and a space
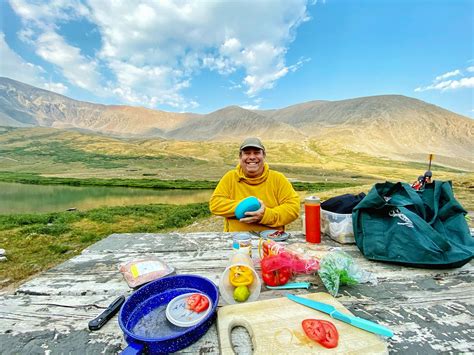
334, 313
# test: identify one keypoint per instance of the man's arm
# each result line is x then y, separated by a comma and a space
221, 204
287, 211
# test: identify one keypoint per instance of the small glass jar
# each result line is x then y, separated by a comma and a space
242, 243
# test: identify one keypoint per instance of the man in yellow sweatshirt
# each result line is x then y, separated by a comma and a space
280, 204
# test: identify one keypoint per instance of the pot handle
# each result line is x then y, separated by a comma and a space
133, 349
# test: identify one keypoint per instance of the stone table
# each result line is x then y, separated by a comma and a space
430, 311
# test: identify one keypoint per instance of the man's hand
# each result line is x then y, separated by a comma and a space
255, 216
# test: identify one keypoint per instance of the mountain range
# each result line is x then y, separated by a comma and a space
391, 126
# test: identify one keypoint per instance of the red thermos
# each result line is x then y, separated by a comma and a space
312, 210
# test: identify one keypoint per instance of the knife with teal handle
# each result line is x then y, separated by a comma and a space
334, 313
290, 285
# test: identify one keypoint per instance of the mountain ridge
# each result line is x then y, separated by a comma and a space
394, 126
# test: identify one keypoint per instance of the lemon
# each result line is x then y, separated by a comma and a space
241, 293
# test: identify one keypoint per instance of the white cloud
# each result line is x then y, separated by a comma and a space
15, 67
159, 85
255, 106
41, 21
234, 85
250, 107
449, 85
190, 36
47, 13
448, 75
440, 82
56, 87
151, 50
298, 64
79, 70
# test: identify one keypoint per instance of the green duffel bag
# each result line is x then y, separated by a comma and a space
427, 228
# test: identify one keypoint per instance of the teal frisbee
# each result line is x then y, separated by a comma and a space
248, 204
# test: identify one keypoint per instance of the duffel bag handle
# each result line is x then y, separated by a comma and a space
416, 200
436, 237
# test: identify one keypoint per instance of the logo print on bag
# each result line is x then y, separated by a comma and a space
406, 221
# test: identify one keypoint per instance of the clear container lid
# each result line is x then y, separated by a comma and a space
179, 315
242, 236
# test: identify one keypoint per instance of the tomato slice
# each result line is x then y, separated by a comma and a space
202, 305
197, 302
193, 300
321, 331
314, 329
332, 336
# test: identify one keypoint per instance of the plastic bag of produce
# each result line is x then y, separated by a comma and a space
338, 268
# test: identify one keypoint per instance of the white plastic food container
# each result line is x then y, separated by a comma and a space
178, 314
337, 226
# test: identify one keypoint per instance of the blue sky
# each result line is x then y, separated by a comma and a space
200, 56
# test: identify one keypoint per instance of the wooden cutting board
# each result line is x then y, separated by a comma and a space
275, 328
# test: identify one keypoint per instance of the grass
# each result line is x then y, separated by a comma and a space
69, 154
65, 153
36, 179
36, 242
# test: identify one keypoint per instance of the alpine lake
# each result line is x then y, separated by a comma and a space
28, 198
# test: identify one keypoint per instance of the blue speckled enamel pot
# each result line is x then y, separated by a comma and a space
159, 293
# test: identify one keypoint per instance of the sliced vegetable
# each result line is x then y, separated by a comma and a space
202, 305
321, 331
277, 234
240, 276
266, 250
197, 302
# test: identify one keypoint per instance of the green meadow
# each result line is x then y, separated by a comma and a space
36, 242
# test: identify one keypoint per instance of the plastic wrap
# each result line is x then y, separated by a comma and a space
279, 264
298, 262
337, 226
338, 268
139, 272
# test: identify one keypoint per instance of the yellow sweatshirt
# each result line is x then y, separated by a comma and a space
282, 203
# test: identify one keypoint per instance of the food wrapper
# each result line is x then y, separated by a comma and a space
139, 272
338, 268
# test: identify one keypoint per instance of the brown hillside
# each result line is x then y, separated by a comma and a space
393, 126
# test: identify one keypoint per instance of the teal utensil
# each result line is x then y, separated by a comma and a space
334, 313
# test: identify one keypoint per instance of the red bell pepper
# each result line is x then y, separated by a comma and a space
273, 273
